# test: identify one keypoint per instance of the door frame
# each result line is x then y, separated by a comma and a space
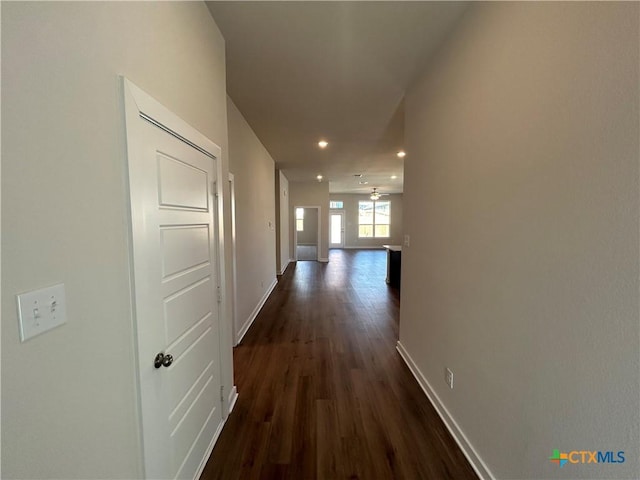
343, 232
234, 273
295, 231
140, 105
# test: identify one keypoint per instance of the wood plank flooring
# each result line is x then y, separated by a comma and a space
324, 393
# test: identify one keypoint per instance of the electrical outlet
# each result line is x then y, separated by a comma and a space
407, 240
448, 377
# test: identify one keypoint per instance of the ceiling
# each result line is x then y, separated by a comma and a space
305, 71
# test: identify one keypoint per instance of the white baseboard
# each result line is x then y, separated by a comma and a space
456, 432
255, 312
231, 400
283, 268
323, 260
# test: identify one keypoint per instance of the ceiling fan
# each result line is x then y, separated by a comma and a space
375, 194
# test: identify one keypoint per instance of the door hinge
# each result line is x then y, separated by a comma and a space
222, 393
219, 294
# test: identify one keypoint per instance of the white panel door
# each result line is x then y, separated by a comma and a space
336, 229
175, 271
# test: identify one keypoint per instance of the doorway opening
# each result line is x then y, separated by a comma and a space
307, 233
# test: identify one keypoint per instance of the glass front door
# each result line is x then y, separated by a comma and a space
337, 230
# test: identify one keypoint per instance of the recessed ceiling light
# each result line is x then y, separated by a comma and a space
323, 144
319, 177
401, 154
363, 183
393, 177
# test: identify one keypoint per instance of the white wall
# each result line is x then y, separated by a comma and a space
309, 233
521, 199
282, 222
254, 175
68, 396
310, 194
351, 239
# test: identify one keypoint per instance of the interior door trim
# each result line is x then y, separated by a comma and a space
151, 110
176, 135
138, 105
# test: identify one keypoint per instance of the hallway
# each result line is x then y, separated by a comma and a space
324, 393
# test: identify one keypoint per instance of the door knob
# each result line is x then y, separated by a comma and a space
163, 360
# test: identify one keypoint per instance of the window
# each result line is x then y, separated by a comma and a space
336, 204
300, 219
374, 219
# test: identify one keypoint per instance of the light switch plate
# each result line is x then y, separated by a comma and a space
41, 310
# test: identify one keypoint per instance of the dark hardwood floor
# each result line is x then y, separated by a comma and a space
324, 393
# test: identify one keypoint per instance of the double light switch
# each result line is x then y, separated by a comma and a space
41, 310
